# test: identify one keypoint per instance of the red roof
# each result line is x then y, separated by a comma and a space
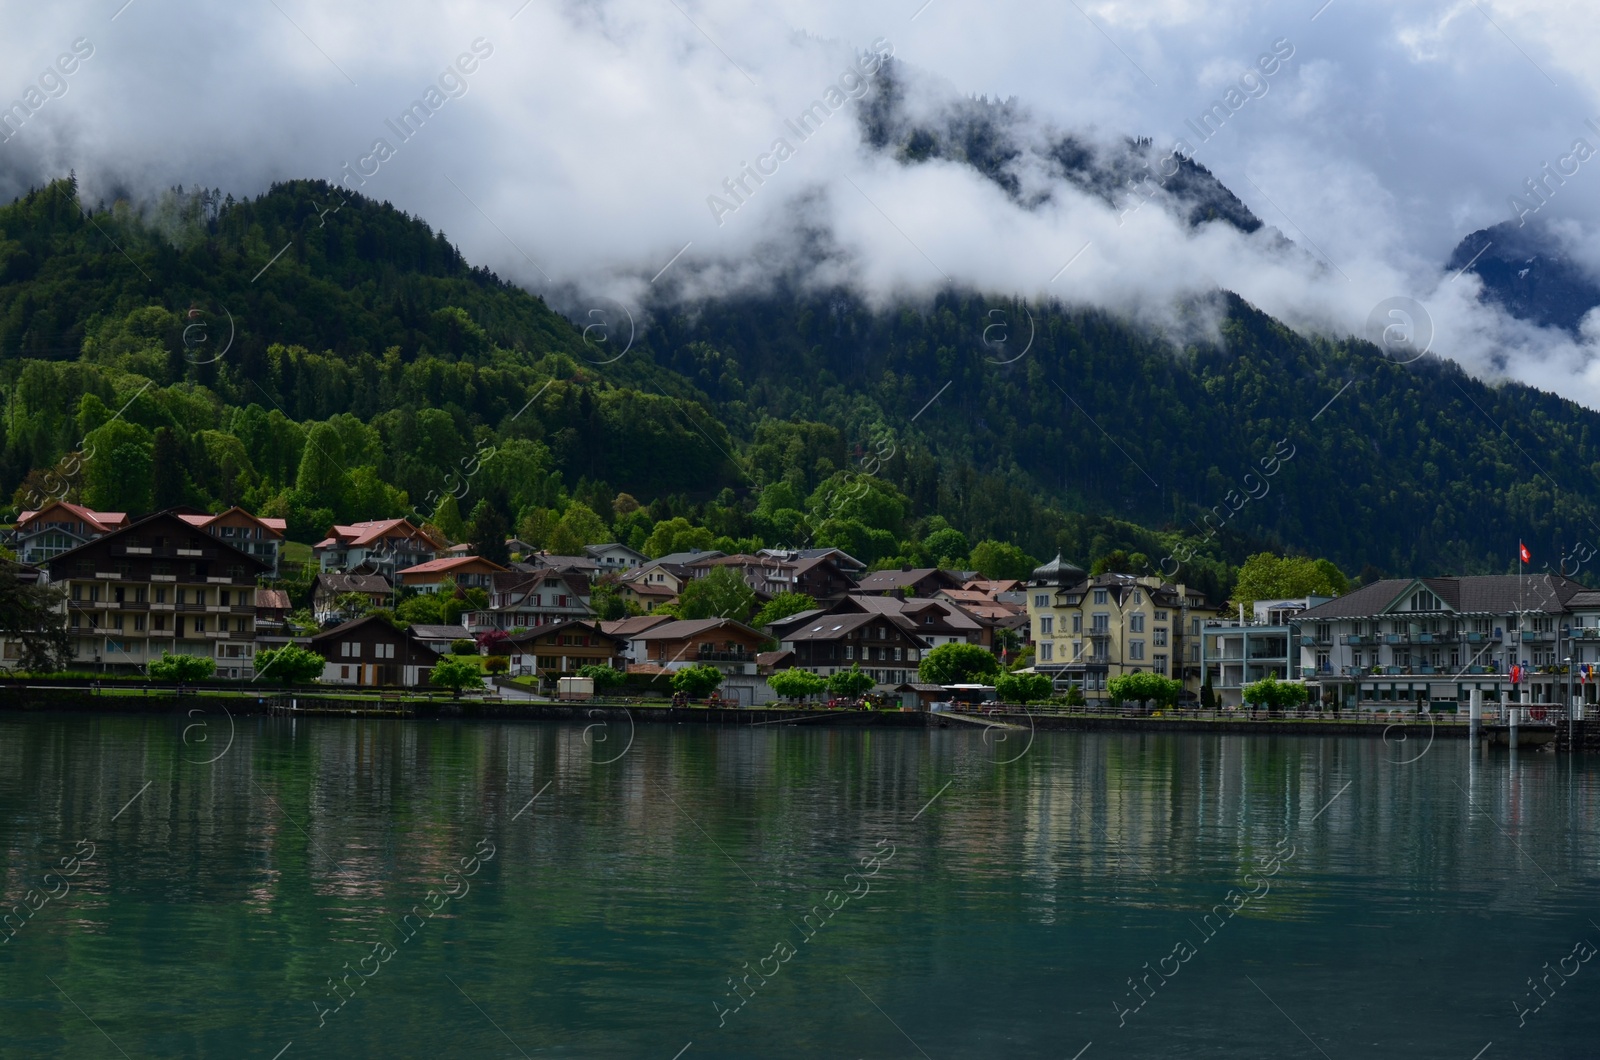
365, 533
448, 564
105, 522
281, 526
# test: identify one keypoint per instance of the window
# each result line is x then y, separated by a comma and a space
1161, 616
1322, 662
1046, 651
1046, 626
199, 623
849, 651
1102, 622
1041, 600
1423, 600
138, 623
1077, 622
1194, 628
1138, 596
1158, 663
161, 596
1136, 649
1136, 623
1077, 649
1099, 596
1160, 637
182, 594
1355, 660
344, 673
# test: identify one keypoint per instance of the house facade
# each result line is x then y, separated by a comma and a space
728, 645
616, 557
562, 649
462, 572
1405, 642
326, 595
882, 647
59, 527
1087, 630
251, 534
369, 651
159, 585
384, 546
526, 599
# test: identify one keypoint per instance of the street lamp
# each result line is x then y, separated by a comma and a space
1569, 705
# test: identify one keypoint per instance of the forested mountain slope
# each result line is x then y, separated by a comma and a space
369, 361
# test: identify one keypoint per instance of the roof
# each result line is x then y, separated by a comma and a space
347, 627
796, 619
912, 686
884, 580
1483, 594
353, 583
681, 628
437, 632
365, 533
105, 522
628, 627
692, 556
280, 526
649, 589
966, 596
773, 658
1059, 569
224, 547
597, 550
448, 564
540, 631
1584, 599
991, 586
273, 599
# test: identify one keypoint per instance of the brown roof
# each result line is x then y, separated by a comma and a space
628, 627
272, 599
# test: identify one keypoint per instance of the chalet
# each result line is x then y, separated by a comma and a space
273, 629
562, 649
253, 535
625, 628
384, 546
370, 651
327, 604
525, 599
647, 597
882, 648
907, 582
728, 645
659, 573
615, 557
824, 578
465, 572
58, 527
933, 621
847, 563
766, 576
159, 585
438, 637
587, 566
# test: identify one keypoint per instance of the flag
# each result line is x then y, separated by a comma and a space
1523, 551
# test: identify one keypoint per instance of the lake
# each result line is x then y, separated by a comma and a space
201, 886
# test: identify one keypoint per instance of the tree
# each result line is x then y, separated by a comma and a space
1208, 695
796, 684
425, 608
697, 681
183, 668
290, 664
463, 646
322, 479
1274, 694
167, 485
488, 533
1022, 688
604, 677
998, 559
719, 594
455, 674
578, 526
1119, 561
352, 605
1144, 689
496, 664
676, 535
1265, 576
782, 606
948, 547
958, 664
30, 613
848, 684
1073, 696
606, 604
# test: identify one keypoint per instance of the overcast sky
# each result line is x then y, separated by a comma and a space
581, 153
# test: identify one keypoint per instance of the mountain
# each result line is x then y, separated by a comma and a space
1525, 271
368, 370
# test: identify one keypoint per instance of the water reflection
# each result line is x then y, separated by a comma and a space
1028, 905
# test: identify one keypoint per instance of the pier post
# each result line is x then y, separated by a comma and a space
1512, 718
1475, 714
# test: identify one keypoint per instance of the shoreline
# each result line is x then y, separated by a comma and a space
319, 704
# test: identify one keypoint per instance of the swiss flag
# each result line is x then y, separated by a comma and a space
1523, 549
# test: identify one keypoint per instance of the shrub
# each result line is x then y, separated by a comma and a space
185, 667
463, 646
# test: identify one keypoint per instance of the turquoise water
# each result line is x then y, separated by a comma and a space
353, 888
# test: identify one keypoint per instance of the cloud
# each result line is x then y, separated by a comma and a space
581, 156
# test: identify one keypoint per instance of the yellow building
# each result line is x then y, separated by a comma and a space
1089, 629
